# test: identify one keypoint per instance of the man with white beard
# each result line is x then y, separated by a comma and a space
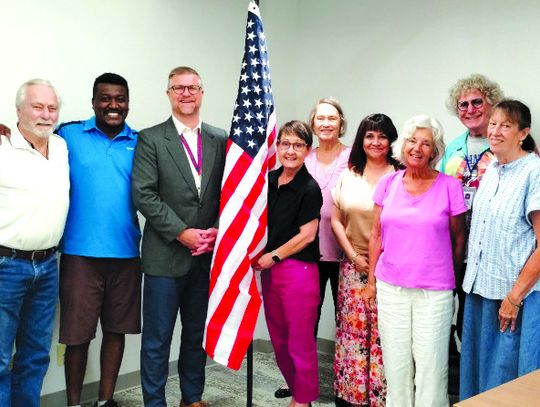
34, 198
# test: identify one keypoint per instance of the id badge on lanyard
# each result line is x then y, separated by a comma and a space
468, 194
470, 190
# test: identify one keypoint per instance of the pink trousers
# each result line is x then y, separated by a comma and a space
291, 297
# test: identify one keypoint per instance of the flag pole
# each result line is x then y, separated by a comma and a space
235, 298
250, 356
250, 375
249, 392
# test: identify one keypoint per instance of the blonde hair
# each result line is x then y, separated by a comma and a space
181, 70
491, 90
332, 102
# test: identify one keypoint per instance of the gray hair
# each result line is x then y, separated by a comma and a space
21, 92
491, 90
420, 122
332, 102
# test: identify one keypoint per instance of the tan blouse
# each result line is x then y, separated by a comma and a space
353, 197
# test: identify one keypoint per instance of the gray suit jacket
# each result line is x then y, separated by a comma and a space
164, 192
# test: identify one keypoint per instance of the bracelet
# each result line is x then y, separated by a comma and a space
353, 258
515, 305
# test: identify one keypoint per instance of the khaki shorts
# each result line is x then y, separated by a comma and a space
98, 288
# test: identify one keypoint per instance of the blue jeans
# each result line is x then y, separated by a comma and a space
28, 296
490, 358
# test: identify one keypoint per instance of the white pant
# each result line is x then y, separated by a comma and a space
414, 326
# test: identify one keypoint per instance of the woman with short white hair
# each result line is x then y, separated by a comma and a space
416, 245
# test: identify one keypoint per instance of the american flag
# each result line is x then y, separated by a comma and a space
235, 297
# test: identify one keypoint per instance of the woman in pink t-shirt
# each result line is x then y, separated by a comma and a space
415, 247
325, 163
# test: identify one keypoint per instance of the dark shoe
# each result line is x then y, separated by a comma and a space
339, 402
282, 393
109, 403
195, 404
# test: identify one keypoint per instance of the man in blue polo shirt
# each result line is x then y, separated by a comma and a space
99, 269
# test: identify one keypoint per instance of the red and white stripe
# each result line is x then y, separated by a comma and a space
235, 297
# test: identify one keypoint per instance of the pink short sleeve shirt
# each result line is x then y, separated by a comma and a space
415, 232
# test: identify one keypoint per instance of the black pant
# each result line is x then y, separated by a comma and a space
453, 353
460, 294
328, 270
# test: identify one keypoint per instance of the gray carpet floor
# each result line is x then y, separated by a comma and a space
227, 388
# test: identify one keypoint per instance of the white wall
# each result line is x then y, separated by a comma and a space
401, 57
397, 57
72, 42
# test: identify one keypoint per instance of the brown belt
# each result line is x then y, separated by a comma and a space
27, 254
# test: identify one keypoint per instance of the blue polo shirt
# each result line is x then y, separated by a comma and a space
102, 220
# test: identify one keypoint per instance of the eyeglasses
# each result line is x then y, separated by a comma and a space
284, 145
192, 89
330, 119
476, 103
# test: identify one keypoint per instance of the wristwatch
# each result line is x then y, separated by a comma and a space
275, 257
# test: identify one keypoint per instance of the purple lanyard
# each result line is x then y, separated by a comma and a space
198, 162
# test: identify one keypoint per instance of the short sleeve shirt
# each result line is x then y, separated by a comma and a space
353, 197
290, 206
102, 220
468, 169
34, 193
502, 237
327, 178
416, 243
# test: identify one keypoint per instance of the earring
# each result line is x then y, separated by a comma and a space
520, 142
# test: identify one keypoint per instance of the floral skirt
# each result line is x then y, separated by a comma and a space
358, 364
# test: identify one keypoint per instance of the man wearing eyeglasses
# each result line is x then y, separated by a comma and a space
177, 175
467, 158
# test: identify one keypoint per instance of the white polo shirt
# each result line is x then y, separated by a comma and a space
34, 193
